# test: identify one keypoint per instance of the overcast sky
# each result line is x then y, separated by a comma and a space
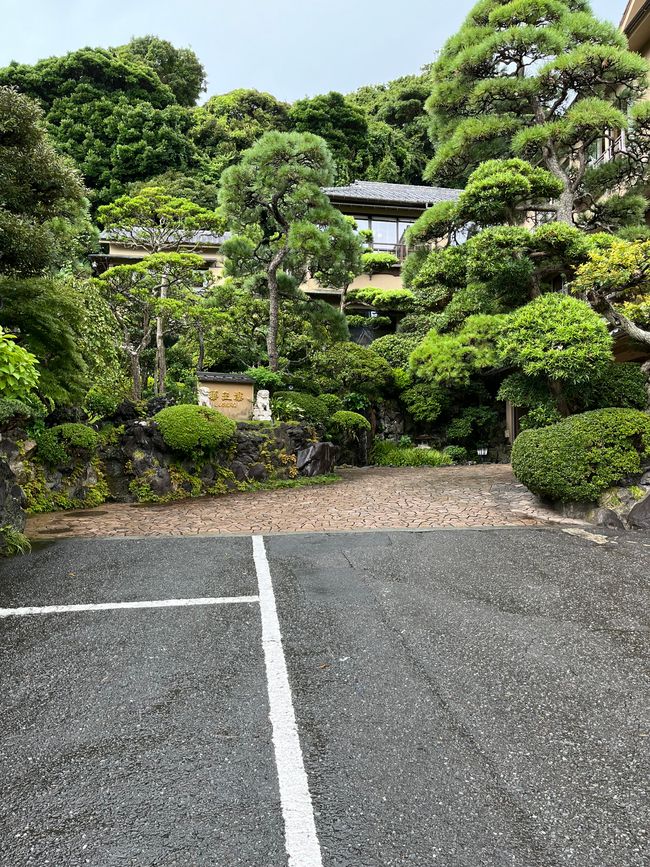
291, 48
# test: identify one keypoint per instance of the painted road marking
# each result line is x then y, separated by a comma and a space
301, 841
111, 606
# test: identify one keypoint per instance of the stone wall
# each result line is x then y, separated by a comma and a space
133, 464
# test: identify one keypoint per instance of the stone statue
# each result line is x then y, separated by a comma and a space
204, 396
262, 408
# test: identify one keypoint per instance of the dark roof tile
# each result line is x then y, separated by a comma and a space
395, 194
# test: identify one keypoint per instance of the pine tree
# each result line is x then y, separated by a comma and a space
545, 80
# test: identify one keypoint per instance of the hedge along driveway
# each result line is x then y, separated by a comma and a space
377, 498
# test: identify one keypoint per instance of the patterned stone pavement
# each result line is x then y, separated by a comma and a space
374, 498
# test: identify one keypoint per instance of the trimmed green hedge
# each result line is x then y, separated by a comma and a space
188, 428
388, 454
346, 422
581, 456
300, 406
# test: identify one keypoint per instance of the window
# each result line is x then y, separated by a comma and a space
403, 226
384, 233
362, 223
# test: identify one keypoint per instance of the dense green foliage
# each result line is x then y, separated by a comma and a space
300, 406
18, 368
388, 454
55, 444
346, 423
542, 80
191, 429
284, 224
580, 457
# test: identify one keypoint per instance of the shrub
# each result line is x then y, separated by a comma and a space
271, 380
352, 367
300, 406
383, 299
189, 429
618, 384
18, 368
52, 443
372, 322
78, 436
332, 401
387, 454
580, 457
424, 401
99, 404
474, 424
346, 423
458, 454
11, 408
396, 348
12, 542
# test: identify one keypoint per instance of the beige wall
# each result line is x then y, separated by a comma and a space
638, 37
233, 399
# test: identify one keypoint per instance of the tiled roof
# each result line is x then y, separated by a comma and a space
394, 194
215, 376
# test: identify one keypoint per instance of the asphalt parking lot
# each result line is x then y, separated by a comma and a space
455, 697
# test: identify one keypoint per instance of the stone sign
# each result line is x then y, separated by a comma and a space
230, 393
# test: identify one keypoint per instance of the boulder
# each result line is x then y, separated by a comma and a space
608, 518
639, 516
317, 459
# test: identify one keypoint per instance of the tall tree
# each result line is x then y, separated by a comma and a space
42, 203
542, 79
139, 295
179, 68
343, 125
230, 123
399, 105
111, 114
285, 225
44, 226
155, 222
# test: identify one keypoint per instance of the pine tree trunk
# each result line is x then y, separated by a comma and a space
161, 360
272, 336
201, 339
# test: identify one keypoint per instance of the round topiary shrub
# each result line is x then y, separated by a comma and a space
345, 423
188, 428
581, 456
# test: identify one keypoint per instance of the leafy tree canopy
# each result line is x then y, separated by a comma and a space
111, 113
343, 125
42, 204
178, 68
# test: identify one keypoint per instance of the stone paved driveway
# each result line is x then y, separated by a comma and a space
366, 499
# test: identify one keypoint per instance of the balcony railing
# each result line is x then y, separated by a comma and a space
614, 149
398, 250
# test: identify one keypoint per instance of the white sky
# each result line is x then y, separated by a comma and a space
291, 48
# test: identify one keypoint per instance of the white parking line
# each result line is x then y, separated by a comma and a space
110, 606
301, 841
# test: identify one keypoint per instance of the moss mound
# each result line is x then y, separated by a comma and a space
189, 429
580, 457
